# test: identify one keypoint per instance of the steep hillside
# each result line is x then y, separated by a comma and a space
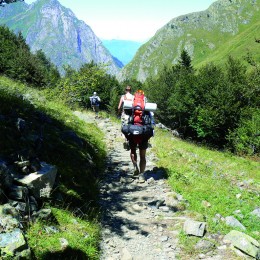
226, 27
49, 26
35, 128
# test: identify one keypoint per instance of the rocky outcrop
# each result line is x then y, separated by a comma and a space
25, 182
21, 194
244, 243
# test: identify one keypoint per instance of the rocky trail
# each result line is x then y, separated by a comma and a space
143, 220
136, 218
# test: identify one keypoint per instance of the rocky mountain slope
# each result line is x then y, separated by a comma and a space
226, 27
49, 26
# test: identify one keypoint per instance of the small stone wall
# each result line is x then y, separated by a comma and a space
21, 193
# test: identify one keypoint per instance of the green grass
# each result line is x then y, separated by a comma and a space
201, 174
79, 168
237, 46
82, 237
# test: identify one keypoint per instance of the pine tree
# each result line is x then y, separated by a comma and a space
185, 60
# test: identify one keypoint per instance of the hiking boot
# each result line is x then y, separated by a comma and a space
136, 171
141, 178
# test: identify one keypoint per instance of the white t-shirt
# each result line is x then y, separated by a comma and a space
128, 96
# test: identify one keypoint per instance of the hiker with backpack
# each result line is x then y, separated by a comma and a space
127, 97
95, 101
138, 131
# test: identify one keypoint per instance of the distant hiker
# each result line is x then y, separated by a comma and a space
138, 131
127, 97
95, 101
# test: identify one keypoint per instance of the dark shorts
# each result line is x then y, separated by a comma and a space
135, 140
95, 108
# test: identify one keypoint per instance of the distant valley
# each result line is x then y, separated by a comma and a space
122, 49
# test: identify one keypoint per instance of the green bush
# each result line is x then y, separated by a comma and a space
207, 104
245, 139
77, 86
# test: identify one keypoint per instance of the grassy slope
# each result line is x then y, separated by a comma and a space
238, 47
227, 182
73, 161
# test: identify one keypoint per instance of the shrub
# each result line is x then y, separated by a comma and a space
77, 86
245, 139
209, 104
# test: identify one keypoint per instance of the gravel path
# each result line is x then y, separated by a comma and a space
136, 224
140, 220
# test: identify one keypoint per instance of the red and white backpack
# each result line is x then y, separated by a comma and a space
138, 108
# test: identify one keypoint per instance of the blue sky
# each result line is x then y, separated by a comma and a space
136, 20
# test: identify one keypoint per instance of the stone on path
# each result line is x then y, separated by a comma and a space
126, 255
194, 228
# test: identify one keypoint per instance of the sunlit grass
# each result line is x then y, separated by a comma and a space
202, 174
81, 236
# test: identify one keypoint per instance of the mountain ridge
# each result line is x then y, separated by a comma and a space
53, 28
201, 34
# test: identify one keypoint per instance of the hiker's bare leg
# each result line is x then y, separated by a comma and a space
133, 156
142, 160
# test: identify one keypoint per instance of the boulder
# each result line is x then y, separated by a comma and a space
12, 242
43, 214
7, 209
194, 228
41, 182
233, 222
244, 243
204, 245
5, 175
18, 193
256, 212
8, 223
